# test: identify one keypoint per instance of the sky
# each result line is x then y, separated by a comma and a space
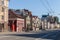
37, 7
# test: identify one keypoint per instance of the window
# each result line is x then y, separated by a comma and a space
2, 2
2, 9
2, 17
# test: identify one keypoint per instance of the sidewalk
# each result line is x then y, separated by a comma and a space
16, 32
52, 29
30, 32
7, 32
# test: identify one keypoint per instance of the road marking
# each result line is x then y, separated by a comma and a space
37, 39
42, 39
4, 36
18, 38
48, 34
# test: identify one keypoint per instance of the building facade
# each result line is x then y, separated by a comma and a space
4, 15
16, 23
36, 23
27, 15
50, 22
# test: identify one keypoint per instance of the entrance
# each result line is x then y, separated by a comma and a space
1, 27
12, 25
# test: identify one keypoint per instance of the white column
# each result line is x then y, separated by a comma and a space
52, 26
42, 25
45, 25
58, 26
48, 25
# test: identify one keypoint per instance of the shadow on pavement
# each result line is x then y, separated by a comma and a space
40, 35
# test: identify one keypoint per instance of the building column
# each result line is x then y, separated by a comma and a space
58, 26
43, 27
52, 27
48, 25
5, 27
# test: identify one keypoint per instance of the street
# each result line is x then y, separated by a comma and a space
41, 35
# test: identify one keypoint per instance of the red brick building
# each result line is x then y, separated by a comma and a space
16, 23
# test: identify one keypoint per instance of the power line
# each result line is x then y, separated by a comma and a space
49, 6
45, 6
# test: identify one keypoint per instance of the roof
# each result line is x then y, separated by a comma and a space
12, 14
34, 16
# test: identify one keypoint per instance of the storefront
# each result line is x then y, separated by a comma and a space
20, 25
16, 25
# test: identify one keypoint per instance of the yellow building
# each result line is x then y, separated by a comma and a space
3, 15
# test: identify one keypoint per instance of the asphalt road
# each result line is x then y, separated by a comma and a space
43, 35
